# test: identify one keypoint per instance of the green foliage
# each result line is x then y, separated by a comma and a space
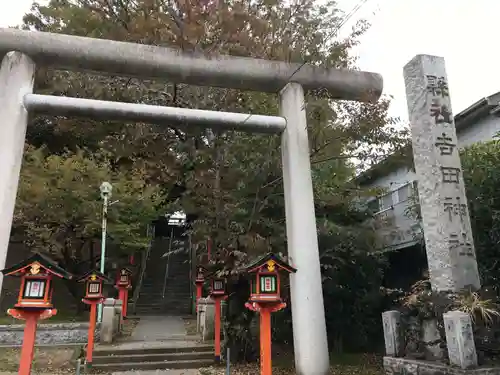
352, 287
232, 182
481, 165
59, 209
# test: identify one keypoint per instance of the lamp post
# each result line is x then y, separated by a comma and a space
106, 189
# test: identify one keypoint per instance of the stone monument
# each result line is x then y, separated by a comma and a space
445, 217
445, 220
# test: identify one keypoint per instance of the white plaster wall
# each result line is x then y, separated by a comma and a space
394, 180
484, 130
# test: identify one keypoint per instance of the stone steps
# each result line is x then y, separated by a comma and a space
153, 357
176, 287
175, 311
164, 365
163, 305
185, 356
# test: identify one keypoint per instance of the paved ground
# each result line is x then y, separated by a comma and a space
158, 331
152, 372
159, 372
159, 328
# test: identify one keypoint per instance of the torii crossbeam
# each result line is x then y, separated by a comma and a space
289, 80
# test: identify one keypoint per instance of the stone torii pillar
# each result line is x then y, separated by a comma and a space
289, 80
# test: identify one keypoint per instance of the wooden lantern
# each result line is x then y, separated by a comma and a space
218, 293
94, 284
124, 279
199, 281
218, 286
265, 281
265, 299
200, 275
94, 295
36, 275
123, 284
34, 301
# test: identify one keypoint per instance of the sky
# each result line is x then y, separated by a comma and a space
464, 32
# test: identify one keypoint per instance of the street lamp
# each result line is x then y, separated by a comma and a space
106, 189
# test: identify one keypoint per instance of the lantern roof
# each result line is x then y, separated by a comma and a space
128, 271
215, 274
94, 275
39, 261
202, 267
272, 261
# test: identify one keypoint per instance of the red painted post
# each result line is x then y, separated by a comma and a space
265, 299
199, 281
28, 348
34, 301
90, 341
123, 284
217, 329
125, 303
265, 342
93, 281
198, 294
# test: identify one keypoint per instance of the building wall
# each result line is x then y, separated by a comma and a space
485, 130
396, 228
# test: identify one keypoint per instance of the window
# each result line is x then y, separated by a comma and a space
268, 284
218, 285
404, 193
34, 289
386, 202
374, 205
94, 288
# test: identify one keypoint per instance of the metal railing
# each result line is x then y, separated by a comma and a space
144, 261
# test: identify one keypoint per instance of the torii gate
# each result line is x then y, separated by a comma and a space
289, 80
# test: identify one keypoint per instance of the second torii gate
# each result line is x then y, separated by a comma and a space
289, 80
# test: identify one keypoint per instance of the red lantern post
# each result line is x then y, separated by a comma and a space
93, 296
218, 293
124, 284
199, 281
265, 298
34, 302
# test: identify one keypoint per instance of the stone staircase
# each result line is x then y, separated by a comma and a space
170, 295
157, 357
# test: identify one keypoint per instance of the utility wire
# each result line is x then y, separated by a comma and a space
349, 15
346, 18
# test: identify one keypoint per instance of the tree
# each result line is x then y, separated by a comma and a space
232, 182
339, 130
59, 209
481, 166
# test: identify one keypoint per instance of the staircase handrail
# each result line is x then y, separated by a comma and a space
144, 261
168, 262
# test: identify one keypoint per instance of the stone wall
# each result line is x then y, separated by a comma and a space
403, 366
47, 334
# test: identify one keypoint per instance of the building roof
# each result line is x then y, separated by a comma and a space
465, 119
